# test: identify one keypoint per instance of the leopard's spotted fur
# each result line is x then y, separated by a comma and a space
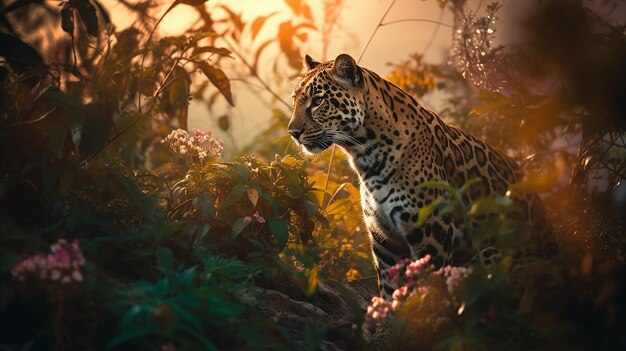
395, 144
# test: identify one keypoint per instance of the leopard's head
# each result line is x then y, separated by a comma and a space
328, 105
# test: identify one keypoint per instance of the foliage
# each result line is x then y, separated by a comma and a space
172, 250
519, 302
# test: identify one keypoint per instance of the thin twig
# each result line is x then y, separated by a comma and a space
480, 3
375, 30
161, 87
74, 53
255, 74
432, 37
363, 278
438, 23
334, 147
131, 124
167, 76
32, 121
330, 168
143, 56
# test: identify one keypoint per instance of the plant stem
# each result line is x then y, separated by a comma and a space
143, 56
380, 24
58, 323
255, 74
438, 23
328, 173
334, 147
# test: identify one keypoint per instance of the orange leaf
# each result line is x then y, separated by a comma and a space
258, 24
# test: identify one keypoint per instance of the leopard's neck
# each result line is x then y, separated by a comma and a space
393, 119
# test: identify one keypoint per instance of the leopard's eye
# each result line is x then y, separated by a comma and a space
317, 101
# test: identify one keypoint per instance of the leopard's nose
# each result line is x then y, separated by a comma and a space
295, 133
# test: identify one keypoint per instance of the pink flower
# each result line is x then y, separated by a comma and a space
454, 276
202, 146
55, 274
378, 314
77, 276
258, 218
61, 265
393, 271
400, 292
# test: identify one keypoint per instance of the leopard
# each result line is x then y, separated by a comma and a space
395, 144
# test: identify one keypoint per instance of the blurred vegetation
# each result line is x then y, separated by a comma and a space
180, 254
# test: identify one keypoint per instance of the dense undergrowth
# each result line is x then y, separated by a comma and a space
115, 236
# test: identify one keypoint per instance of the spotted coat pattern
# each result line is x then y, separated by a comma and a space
395, 144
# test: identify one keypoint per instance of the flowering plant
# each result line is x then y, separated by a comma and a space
62, 265
405, 274
256, 217
200, 147
411, 278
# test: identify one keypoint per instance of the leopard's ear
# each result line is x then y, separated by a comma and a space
346, 68
309, 62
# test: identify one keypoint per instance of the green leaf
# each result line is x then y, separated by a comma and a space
437, 184
238, 226
311, 208
188, 276
165, 260
487, 205
280, 230
186, 316
133, 313
219, 79
425, 212
207, 204
240, 173
469, 183
161, 288
208, 344
234, 196
131, 333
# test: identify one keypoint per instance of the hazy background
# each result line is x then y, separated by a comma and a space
358, 19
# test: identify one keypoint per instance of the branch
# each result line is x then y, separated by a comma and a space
117, 135
435, 31
438, 23
32, 121
143, 56
255, 74
380, 24
165, 82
